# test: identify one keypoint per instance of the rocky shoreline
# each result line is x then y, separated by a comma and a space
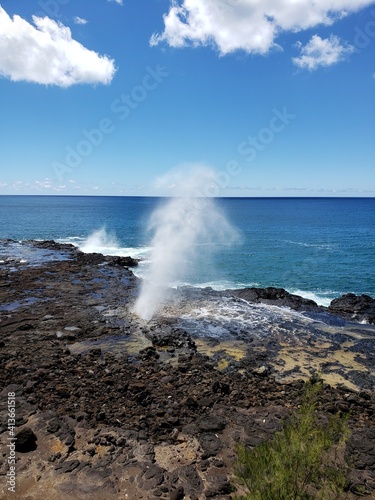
109, 406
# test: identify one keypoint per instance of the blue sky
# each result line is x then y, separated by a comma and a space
106, 97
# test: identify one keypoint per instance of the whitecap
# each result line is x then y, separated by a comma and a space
106, 243
321, 298
321, 246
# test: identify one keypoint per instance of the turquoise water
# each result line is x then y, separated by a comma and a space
317, 247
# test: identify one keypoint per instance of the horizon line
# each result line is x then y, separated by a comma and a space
171, 196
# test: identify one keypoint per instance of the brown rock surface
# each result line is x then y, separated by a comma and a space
117, 417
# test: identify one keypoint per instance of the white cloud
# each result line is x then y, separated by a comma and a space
47, 54
120, 2
249, 25
42, 185
79, 20
322, 52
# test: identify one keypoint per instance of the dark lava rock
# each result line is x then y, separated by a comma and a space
358, 307
177, 494
190, 478
211, 444
53, 426
52, 245
220, 485
124, 261
63, 429
221, 387
149, 353
211, 423
68, 466
176, 338
106, 413
152, 477
275, 296
62, 391
25, 440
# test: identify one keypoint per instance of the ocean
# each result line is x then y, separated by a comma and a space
319, 248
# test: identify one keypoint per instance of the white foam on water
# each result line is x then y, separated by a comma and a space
69, 239
229, 316
320, 246
106, 243
322, 299
219, 285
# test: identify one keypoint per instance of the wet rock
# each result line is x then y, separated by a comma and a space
175, 338
357, 307
26, 440
52, 245
276, 296
149, 353
123, 261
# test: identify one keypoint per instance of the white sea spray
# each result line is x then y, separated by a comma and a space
185, 228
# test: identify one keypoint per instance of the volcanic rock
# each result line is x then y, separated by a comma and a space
357, 307
123, 261
116, 418
275, 296
25, 440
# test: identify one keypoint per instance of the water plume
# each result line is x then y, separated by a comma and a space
181, 226
100, 241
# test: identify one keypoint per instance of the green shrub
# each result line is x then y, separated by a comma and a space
301, 461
